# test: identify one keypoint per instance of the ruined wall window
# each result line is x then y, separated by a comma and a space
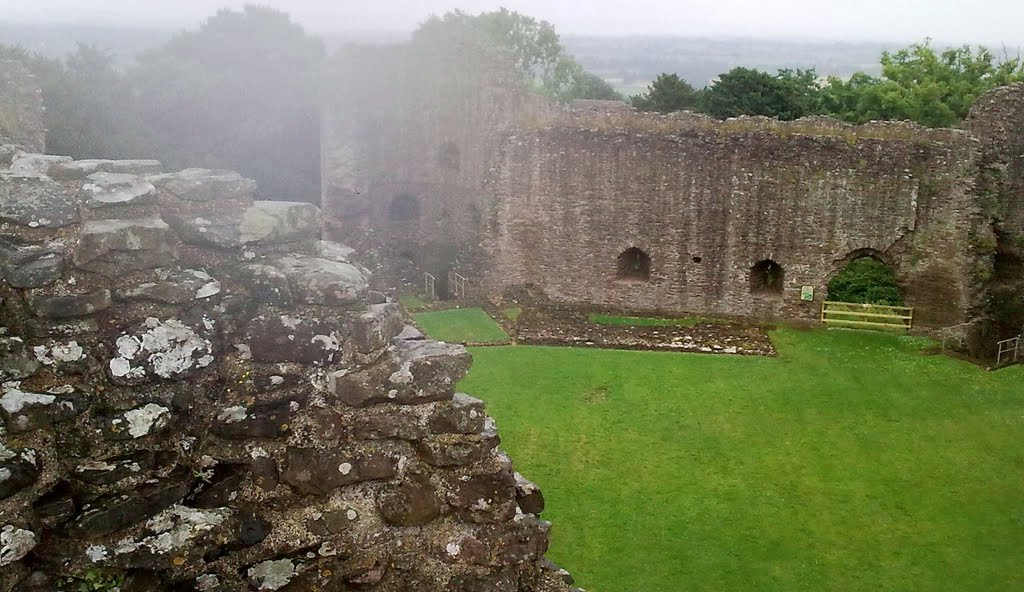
448, 156
404, 207
866, 279
634, 264
766, 277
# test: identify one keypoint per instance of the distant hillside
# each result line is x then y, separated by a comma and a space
631, 63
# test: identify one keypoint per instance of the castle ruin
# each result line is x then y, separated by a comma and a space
445, 155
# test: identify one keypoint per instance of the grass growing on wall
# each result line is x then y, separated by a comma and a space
850, 463
463, 325
411, 302
602, 319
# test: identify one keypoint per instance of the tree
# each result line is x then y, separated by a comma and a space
790, 94
865, 280
569, 80
918, 83
532, 44
241, 93
666, 94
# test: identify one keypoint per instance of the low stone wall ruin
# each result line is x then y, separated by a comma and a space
199, 394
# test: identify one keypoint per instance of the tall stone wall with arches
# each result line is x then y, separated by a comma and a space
455, 159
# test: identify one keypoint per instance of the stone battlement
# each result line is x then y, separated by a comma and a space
199, 393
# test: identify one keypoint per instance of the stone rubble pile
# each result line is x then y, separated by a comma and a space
197, 393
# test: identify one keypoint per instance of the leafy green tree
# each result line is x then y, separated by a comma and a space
533, 45
866, 281
241, 93
921, 84
569, 80
666, 94
790, 94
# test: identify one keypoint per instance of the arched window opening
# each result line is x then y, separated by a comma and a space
634, 264
404, 207
767, 277
866, 280
448, 156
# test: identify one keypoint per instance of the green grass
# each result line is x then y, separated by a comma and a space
849, 463
512, 313
462, 325
602, 319
411, 302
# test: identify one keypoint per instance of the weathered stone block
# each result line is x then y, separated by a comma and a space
528, 496
413, 372
286, 338
36, 164
37, 202
318, 472
112, 189
24, 411
374, 329
414, 502
30, 266
19, 468
117, 512
262, 420
16, 361
455, 450
203, 185
162, 349
61, 306
463, 415
81, 169
110, 471
280, 222
173, 287
323, 282
267, 284
112, 247
140, 422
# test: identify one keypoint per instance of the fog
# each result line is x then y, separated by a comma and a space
992, 22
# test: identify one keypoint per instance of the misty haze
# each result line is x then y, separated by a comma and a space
533, 296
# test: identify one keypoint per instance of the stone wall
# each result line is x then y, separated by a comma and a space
551, 195
199, 394
421, 124
708, 200
21, 110
997, 118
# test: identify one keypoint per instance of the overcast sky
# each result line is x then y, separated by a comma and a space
976, 21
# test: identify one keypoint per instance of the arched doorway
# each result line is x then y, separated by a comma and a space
866, 279
633, 264
767, 277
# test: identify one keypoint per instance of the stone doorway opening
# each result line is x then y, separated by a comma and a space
633, 264
767, 277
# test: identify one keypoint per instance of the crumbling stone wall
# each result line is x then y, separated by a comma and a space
551, 196
420, 123
21, 111
198, 394
707, 200
997, 118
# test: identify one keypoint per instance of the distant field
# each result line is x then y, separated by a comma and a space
463, 325
849, 463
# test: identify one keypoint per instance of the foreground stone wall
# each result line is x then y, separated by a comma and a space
198, 394
21, 110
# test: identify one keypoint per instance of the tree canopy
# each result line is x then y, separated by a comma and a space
533, 45
667, 93
919, 83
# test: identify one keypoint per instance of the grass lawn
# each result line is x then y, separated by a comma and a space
411, 302
849, 463
461, 325
602, 319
